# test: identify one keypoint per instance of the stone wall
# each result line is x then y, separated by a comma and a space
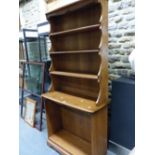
121, 38
32, 12
29, 13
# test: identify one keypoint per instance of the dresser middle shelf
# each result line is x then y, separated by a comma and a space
72, 101
76, 75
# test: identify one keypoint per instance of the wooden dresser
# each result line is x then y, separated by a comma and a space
76, 105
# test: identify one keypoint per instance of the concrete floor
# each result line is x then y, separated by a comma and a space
34, 142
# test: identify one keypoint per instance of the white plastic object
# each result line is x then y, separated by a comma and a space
132, 60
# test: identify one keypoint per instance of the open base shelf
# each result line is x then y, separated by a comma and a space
70, 144
75, 132
73, 101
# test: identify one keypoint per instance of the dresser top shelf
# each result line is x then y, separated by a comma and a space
75, 102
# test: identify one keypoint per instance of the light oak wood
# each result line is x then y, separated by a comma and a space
77, 41
53, 5
87, 63
70, 143
59, 7
103, 71
53, 117
79, 87
73, 131
77, 117
76, 105
81, 29
73, 101
75, 52
99, 132
77, 75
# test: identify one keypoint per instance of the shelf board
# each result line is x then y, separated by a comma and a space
71, 101
75, 52
76, 75
80, 29
67, 143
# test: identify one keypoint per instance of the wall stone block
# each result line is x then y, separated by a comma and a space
114, 58
125, 39
130, 33
130, 17
114, 45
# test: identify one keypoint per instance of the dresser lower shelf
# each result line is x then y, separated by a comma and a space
71, 101
69, 144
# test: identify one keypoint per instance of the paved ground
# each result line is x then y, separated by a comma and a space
34, 142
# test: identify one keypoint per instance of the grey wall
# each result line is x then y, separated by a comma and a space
121, 37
